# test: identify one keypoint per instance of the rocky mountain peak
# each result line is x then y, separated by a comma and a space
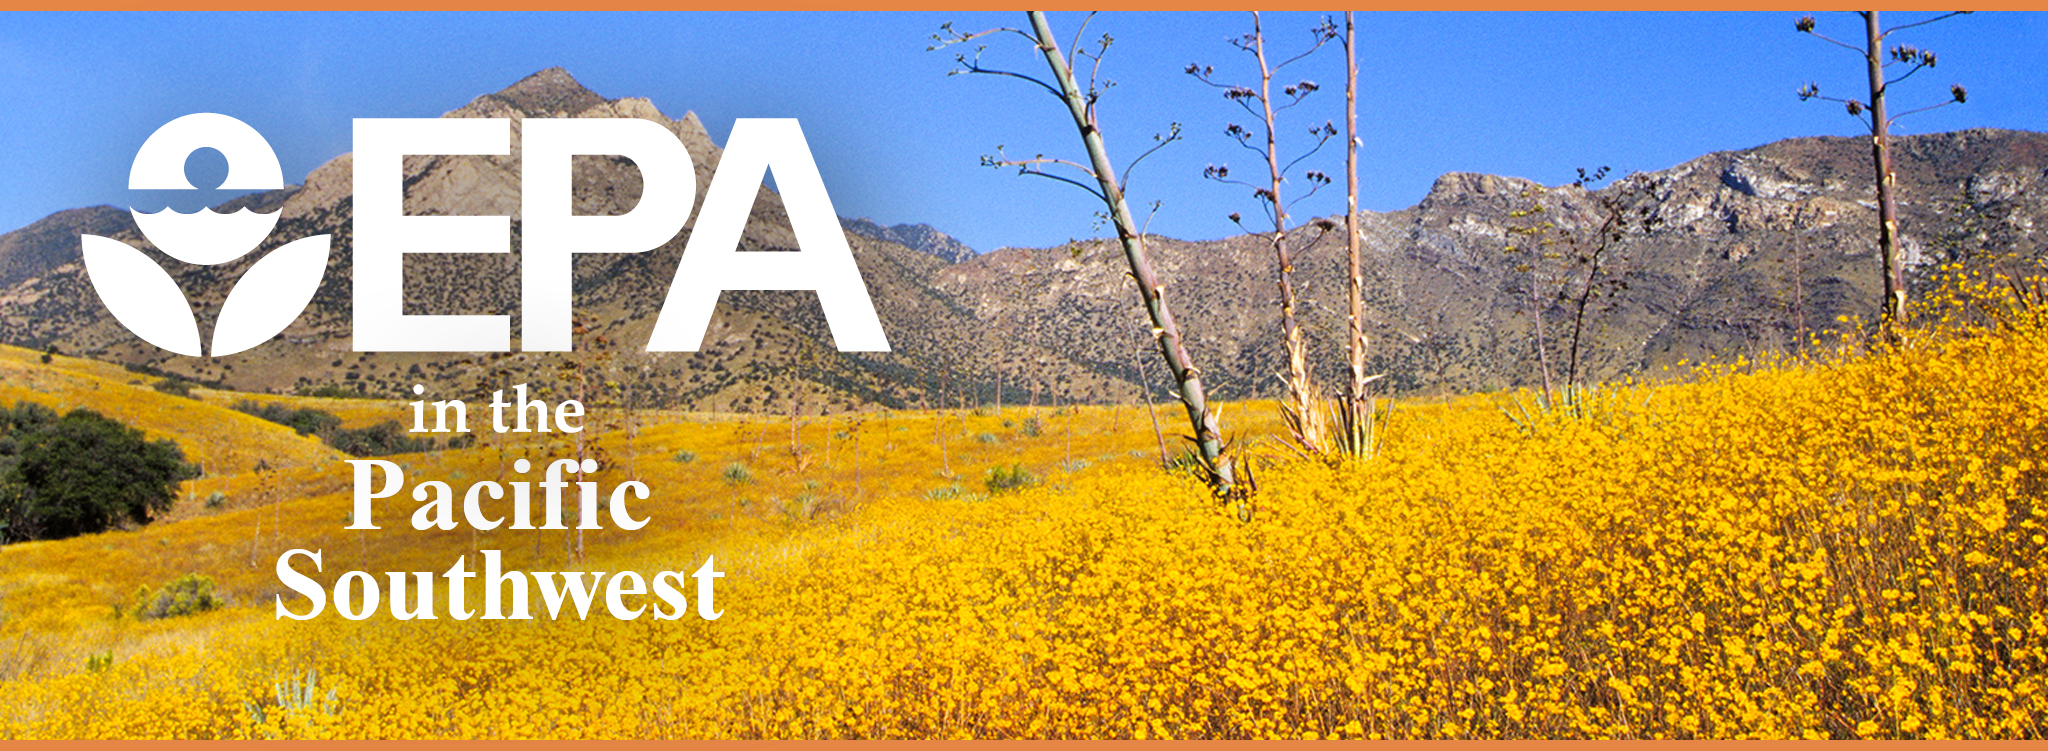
691, 125
1453, 183
698, 141
548, 93
1471, 191
923, 238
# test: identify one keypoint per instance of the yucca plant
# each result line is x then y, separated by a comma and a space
1360, 426
293, 697
1592, 405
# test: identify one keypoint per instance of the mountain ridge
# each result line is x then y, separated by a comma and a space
1754, 248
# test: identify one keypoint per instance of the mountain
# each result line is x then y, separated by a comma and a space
52, 241
922, 238
1749, 250
762, 347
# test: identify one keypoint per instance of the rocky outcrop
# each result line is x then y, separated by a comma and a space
922, 238
1750, 250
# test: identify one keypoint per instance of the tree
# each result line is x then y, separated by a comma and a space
1301, 409
16, 523
1628, 206
83, 473
1879, 121
1576, 252
1108, 188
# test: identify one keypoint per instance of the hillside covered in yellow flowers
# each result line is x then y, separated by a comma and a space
1846, 544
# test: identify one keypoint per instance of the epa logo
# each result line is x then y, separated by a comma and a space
279, 286
145, 299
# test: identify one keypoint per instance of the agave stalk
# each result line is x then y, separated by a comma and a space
1302, 410
1209, 448
1207, 437
1302, 417
1880, 122
1887, 180
1355, 417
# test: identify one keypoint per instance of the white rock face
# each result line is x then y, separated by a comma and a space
1766, 178
471, 185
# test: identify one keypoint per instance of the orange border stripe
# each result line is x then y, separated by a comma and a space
785, 5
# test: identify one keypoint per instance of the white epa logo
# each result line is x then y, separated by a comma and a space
145, 299
277, 288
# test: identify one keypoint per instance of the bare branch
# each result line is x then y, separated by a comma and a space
1888, 32
1243, 138
1324, 134
1231, 91
1036, 166
1323, 33
1297, 92
1039, 161
1147, 228
1316, 181
974, 67
1246, 103
1160, 142
949, 37
1265, 205
1095, 70
1904, 76
1221, 173
1075, 46
1895, 118
1204, 74
1854, 107
953, 37
1062, 178
1805, 26
1849, 47
1323, 228
1839, 100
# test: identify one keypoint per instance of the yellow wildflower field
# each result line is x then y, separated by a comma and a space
1846, 545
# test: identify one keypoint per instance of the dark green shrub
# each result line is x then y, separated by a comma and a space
174, 386
80, 473
306, 420
382, 439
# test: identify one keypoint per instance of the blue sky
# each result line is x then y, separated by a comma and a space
1531, 95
